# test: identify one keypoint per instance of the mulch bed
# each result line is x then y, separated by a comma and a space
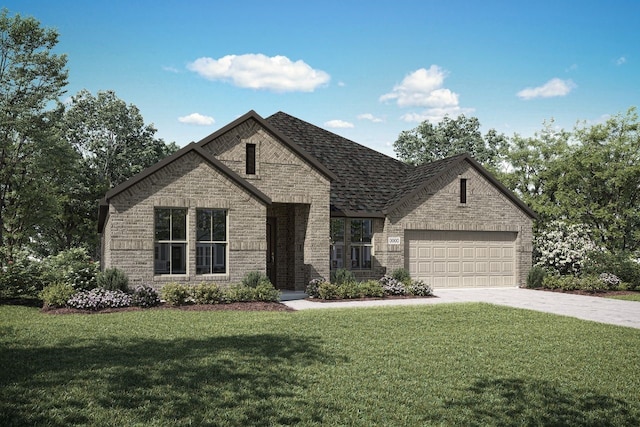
236, 306
370, 298
587, 293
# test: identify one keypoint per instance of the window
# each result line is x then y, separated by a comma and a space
211, 241
463, 190
170, 252
251, 159
361, 233
337, 243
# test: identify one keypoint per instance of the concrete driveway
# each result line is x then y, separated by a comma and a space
597, 309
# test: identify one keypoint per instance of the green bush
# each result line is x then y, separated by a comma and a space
328, 290
371, 288
56, 294
254, 278
239, 293
21, 278
402, 275
565, 283
349, 290
72, 266
536, 276
342, 275
266, 292
113, 279
145, 296
208, 293
591, 283
621, 264
176, 294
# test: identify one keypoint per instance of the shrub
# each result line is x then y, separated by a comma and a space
402, 276
145, 296
371, 288
254, 278
176, 294
208, 293
239, 293
328, 290
392, 286
72, 266
113, 279
312, 287
620, 264
56, 294
565, 283
348, 290
563, 247
21, 277
611, 281
420, 289
341, 276
536, 276
591, 283
266, 292
99, 298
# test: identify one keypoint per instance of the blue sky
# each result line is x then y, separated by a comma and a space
363, 69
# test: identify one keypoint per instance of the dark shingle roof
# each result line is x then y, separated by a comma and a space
366, 179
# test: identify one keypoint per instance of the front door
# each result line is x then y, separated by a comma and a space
271, 250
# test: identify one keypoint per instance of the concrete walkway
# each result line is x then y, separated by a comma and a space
597, 309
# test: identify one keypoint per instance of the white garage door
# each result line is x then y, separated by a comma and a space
462, 259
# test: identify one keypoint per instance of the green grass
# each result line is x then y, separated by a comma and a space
469, 364
629, 297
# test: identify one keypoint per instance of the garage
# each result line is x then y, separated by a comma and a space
462, 259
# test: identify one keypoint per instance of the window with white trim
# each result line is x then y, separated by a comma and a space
211, 241
337, 243
361, 234
170, 251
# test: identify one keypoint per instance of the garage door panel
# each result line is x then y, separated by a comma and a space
462, 258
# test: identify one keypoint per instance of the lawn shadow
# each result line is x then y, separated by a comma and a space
232, 380
507, 402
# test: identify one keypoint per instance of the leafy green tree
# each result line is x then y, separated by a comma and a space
32, 78
112, 136
600, 184
428, 142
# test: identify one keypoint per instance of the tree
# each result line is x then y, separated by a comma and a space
112, 136
32, 78
600, 185
427, 142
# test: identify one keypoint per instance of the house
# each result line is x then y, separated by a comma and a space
282, 196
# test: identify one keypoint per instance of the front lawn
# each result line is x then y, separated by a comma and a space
464, 364
628, 297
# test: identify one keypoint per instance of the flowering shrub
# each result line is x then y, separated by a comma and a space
145, 296
98, 298
56, 294
392, 286
21, 277
72, 266
562, 247
610, 280
420, 289
622, 264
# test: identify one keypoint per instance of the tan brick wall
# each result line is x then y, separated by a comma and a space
487, 209
286, 178
193, 183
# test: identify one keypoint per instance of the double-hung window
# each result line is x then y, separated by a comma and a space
170, 252
211, 241
337, 243
361, 233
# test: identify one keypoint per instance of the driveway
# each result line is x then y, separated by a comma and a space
597, 309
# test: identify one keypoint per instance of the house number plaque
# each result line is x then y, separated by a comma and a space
393, 240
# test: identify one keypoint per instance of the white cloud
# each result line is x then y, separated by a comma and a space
422, 88
370, 117
258, 71
435, 115
197, 119
170, 69
552, 88
621, 60
338, 124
